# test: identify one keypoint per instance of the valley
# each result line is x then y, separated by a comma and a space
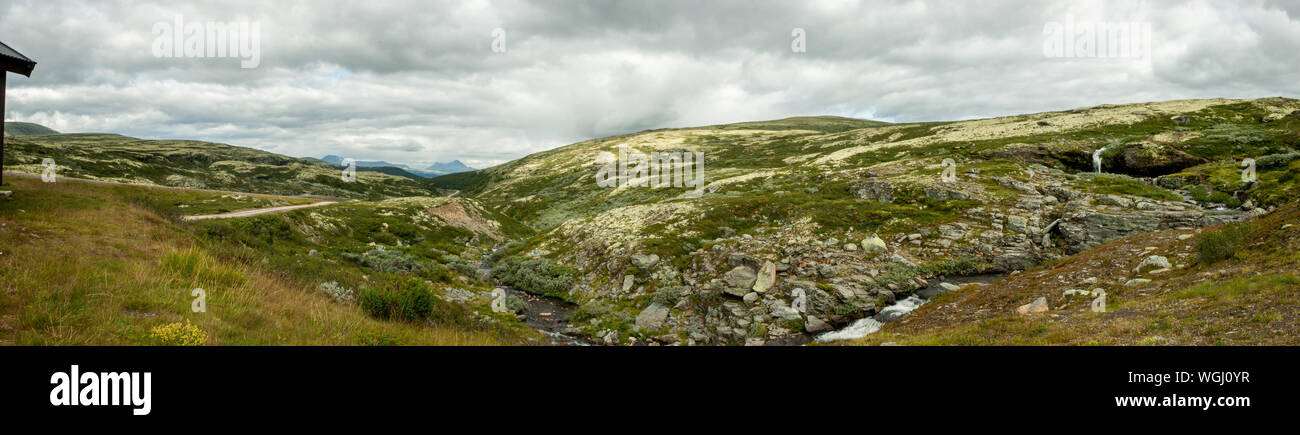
810, 230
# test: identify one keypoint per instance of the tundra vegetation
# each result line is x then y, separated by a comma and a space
845, 216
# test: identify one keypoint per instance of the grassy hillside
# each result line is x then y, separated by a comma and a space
97, 264
26, 129
807, 194
848, 215
1230, 285
196, 164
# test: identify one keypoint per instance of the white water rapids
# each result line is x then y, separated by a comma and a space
869, 325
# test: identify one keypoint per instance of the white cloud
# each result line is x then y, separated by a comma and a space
416, 82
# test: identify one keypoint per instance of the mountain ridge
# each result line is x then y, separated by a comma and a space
803, 204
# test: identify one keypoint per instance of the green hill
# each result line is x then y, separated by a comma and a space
804, 196
26, 129
185, 163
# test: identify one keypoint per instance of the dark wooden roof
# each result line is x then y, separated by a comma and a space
13, 61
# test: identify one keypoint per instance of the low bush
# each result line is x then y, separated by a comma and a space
1222, 244
590, 310
340, 293
1276, 160
179, 334
389, 261
535, 275
398, 298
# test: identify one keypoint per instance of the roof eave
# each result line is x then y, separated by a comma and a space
17, 66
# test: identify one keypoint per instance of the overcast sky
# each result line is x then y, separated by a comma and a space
417, 82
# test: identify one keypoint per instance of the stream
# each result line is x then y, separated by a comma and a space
548, 315
869, 325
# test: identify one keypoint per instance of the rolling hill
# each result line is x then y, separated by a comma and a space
26, 129
184, 163
858, 214
801, 226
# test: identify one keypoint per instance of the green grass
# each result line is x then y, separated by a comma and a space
1123, 185
26, 129
1272, 285
195, 164
90, 266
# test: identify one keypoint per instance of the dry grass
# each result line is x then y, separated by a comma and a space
1251, 299
82, 266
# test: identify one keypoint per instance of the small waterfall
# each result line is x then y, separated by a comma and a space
1096, 159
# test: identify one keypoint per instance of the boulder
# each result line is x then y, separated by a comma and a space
887, 295
740, 276
845, 292
874, 244
1037, 306
766, 277
739, 259
644, 261
628, 281
783, 312
1152, 263
901, 260
814, 324
652, 317
826, 271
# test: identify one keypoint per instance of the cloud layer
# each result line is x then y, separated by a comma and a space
418, 81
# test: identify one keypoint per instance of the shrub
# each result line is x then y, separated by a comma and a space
399, 298
1276, 160
515, 304
1203, 193
1221, 244
535, 275
464, 268
389, 261
179, 334
340, 293
436, 272
590, 310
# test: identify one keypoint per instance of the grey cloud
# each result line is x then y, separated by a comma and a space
416, 81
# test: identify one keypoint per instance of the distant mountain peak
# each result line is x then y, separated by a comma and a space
451, 167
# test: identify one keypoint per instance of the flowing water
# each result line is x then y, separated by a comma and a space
869, 325
1096, 159
550, 316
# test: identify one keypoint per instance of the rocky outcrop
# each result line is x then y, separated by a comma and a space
875, 190
1151, 159
1085, 228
